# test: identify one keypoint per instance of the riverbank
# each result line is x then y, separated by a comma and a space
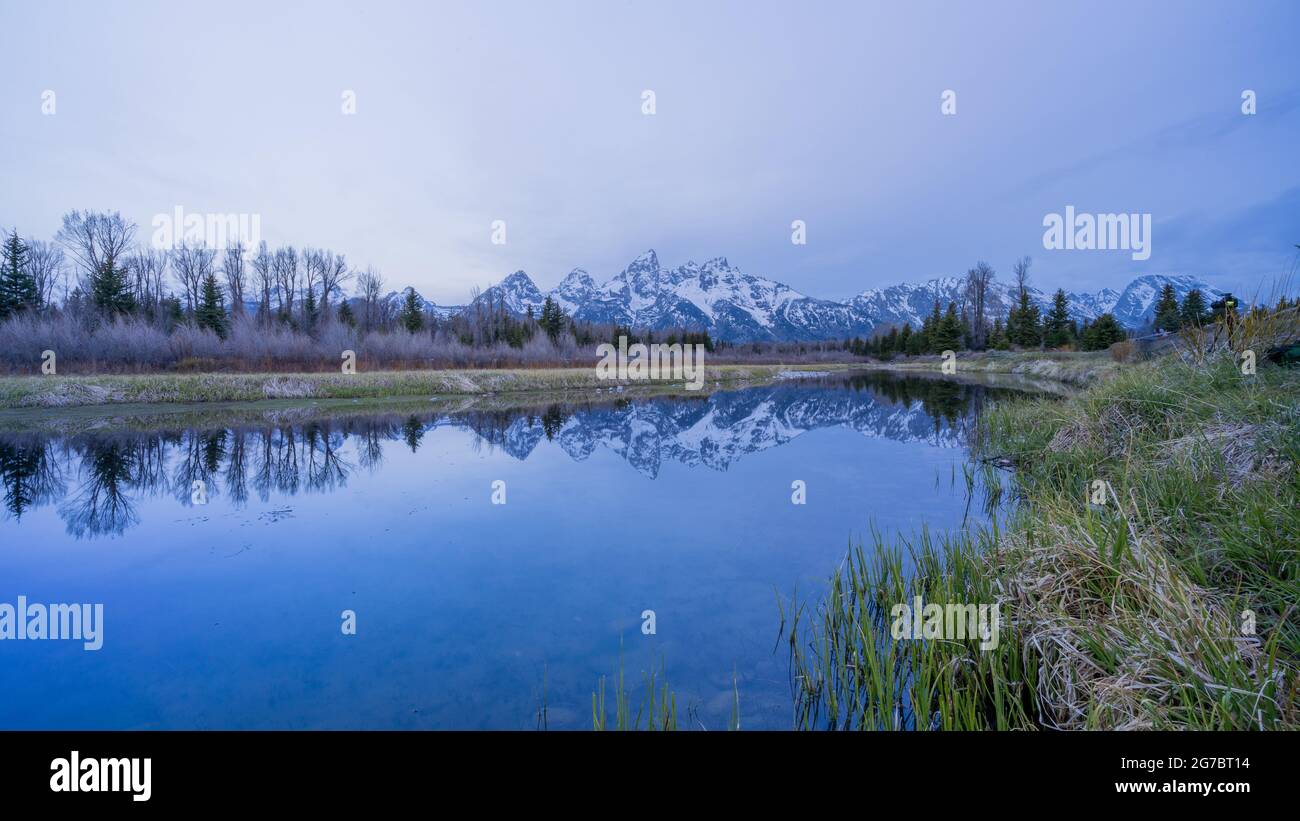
49, 392
69, 420
1079, 369
151, 389
1148, 578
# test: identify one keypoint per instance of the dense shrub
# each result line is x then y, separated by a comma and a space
137, 345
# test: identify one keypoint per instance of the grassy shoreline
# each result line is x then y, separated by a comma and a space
1174, 605
122, 390
152, 389
1072, 368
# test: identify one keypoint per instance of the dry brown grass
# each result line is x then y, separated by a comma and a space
1117, 637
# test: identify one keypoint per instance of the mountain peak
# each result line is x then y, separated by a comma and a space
574, 290
644, 269
649, 258
1135, 307
517, 291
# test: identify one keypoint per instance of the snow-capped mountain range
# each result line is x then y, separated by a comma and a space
736, 306
715, 296
1134, 307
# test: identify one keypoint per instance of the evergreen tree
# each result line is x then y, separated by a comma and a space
1102, 333
905, 338
211, 313
1023, 326
110, 290
1057, 329
998, 337
1193, 311
174, 313
1167, 318
948, 334
553, 319
412, 316
929, 328
345, 315
17, 286
915, 343
310, 310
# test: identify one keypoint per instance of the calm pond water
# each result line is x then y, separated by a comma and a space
469, 614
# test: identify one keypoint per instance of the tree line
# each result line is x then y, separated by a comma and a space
95, 272
964, 325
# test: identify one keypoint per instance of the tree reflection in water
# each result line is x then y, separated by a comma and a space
96, 478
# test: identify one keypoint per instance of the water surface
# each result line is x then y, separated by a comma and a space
469, 614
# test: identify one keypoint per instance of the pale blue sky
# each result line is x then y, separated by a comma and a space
766, 112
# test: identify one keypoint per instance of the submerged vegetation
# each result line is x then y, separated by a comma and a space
1148, 579
656, 709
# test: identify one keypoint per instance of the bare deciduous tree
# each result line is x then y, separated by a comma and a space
148, 276
978, 280
285, 267
313, 263
264, 279
370, 285
46, 262
236, 274
1022, 274
96, 239
334, 272
193, 264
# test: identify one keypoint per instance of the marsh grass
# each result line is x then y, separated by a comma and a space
656, 709
657, 705
849, 672
1128, 615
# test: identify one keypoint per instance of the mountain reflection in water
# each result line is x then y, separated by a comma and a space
95, 478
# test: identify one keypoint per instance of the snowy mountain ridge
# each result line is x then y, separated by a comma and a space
736, 306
